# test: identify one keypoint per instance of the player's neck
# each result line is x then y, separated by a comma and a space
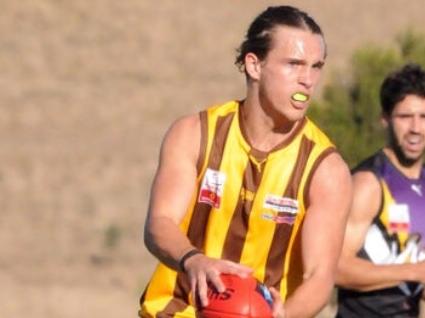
412, 170
263, 131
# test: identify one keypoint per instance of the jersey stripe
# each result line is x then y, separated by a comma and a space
236, 234
316, 164
283, 231
204, 140
201, 211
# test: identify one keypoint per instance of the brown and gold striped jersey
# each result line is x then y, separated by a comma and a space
249, 207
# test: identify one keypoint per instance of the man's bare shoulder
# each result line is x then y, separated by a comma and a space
183, 138
366, 181
331, 178
189, 124
366, 196
333, 165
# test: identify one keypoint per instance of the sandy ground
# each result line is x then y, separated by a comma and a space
87, 91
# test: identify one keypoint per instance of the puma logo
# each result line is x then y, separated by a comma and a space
417, 188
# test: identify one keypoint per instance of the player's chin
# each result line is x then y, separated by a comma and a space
413, 156
297, 115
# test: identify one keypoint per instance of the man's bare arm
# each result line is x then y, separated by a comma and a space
172, 190
360, 274
322, 235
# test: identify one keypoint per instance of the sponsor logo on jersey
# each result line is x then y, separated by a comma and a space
399, 218
280, 218
417, 188
212, 186
281, 204
281, 209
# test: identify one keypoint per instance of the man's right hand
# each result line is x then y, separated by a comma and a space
202, 269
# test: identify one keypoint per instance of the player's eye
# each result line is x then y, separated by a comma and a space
403, 116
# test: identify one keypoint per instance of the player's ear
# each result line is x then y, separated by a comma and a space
253, 66
385, 120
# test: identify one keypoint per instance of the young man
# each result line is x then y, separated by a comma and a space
381, 271
248, 187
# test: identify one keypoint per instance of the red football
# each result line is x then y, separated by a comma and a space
243, 297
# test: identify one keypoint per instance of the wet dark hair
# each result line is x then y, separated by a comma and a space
408, 80
258, 37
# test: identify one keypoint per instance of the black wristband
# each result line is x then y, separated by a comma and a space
185, 257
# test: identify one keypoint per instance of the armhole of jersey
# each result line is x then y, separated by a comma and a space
381, 203
316, 164
203, 116
372, 165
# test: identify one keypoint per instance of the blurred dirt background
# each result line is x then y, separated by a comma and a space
88, 89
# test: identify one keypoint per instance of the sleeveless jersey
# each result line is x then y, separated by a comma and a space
394, 237
248, 207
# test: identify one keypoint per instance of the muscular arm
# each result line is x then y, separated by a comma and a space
359, 274
322, 235
171, 193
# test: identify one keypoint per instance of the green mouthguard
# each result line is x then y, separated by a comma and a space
299, 97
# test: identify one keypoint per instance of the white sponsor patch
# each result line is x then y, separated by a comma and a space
399, 217
212, 186
281, 204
